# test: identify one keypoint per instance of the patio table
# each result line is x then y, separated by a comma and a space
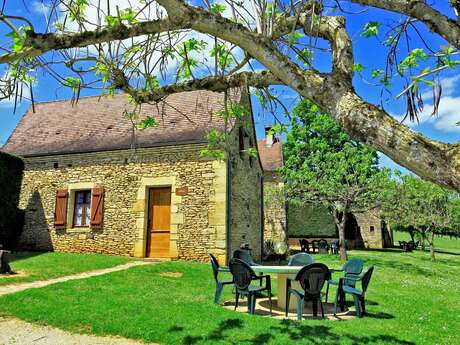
283, 273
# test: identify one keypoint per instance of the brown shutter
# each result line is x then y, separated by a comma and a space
97, 207
60, 211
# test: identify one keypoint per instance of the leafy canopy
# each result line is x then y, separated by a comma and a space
322, 163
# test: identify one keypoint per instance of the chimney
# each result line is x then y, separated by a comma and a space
269, 136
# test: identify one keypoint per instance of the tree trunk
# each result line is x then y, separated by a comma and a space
431, 242
4, 262
341, 222
423, 239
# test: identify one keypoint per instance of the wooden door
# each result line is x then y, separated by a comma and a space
159, 222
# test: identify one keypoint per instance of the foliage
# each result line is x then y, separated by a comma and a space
413, 203
310, 220
11, 218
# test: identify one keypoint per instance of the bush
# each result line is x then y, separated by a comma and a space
11, 218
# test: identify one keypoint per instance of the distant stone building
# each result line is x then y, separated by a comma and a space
271, 156
92, 183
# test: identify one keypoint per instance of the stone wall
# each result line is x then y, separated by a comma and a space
274, 208
246, 192
198, 218
372, 230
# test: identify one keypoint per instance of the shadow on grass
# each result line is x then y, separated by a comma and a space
295, 332
18, 256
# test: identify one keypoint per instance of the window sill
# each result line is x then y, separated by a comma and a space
79, 230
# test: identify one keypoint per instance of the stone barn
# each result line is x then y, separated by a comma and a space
94, 182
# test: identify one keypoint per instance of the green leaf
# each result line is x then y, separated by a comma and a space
217, 8
371, 29
357, 67
147, 122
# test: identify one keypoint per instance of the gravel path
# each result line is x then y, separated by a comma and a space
18, 332
13, 288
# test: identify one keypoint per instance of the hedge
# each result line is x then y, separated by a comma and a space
311, 220
11, 218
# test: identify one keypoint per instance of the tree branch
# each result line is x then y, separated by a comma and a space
436, 21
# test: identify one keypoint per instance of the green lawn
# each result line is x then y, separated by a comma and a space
410, 301
39, 266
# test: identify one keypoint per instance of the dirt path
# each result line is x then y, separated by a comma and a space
18, 332
13, 288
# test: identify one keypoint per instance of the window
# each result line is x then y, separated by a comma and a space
82, 209
371, 228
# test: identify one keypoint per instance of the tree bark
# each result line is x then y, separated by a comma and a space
341, 223
431, 242
4, 262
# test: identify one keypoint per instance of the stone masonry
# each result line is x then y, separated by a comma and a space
198, 218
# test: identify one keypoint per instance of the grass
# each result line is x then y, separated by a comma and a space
34, 266
410, 301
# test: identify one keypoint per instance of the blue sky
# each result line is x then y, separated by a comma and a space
368, 52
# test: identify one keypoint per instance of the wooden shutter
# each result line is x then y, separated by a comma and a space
60, 211
97, 207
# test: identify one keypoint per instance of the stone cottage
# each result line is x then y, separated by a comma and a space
93, 182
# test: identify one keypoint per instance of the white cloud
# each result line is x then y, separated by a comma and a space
448, 111
40, 7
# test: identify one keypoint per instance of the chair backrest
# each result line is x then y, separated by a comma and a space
242, 273
353, 266
214, 265
303, 245
301, 259
323, 244
243, 255
313, 277
366, 278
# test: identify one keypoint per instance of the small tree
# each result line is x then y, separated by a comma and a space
422, 205
322, 164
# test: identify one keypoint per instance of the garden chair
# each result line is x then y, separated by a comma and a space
219, 283
334, 247
243, 255
243, 275
311, 278
314, 246
358, 295
304, 246
301, 259
352, 269
323, 246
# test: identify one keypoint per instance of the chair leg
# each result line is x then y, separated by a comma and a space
335, 302
357, 305
315, 307
300, 308
322, 309
363, 304
288, 301
270, 300
218, 293
253, 303
327, 289
237, 297
249, 303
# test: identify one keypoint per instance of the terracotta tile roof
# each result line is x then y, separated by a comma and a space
270, 156
96, 124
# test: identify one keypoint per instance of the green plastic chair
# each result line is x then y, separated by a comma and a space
352, 269
301, 259
358, 295
312, 279
243, 275
219, 283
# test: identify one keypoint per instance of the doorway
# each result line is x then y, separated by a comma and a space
159, 223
